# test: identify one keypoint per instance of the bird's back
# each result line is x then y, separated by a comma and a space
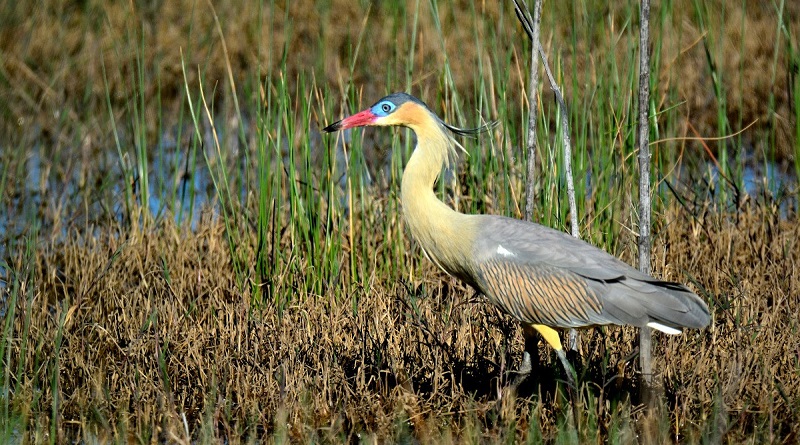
543, 276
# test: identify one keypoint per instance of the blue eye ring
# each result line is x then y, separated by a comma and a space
383, 108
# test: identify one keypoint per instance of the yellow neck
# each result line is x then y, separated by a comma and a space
445, 235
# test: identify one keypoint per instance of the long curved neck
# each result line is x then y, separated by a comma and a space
445, 235
423, 169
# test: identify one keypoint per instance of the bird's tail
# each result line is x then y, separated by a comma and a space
674, 305
662, 305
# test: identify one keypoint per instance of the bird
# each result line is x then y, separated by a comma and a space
544, 278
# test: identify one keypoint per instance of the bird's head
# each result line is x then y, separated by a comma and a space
400, 109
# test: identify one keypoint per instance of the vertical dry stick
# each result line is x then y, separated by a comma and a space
531, 26
573, 209
645, 360
533, 101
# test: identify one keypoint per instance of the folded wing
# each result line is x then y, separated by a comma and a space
543, 276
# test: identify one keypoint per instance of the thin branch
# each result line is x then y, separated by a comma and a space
573, 208
645, 359
531, 26
528, 25
533, 99
703, 138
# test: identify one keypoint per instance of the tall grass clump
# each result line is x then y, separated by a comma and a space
218, 173
713, 52
18, 294
140, 124
795, 61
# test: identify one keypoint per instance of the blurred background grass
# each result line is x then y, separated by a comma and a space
185, 257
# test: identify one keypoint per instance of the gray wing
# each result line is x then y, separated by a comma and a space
541, 275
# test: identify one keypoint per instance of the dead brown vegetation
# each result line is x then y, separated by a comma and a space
159, 331
53, 53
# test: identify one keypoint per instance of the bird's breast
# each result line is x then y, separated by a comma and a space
446, 237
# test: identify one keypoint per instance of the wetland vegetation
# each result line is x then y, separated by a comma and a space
185, 258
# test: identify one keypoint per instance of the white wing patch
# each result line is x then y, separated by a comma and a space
664, 329
503, 251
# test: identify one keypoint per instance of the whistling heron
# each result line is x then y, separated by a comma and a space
544, 278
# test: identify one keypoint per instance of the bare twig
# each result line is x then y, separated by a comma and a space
533, 101
531, 26
562, 106
645, 360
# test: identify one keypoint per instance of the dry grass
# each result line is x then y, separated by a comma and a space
160, 331
42, 86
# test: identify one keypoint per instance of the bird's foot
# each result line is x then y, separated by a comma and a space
523, 371
572, 387
568, 369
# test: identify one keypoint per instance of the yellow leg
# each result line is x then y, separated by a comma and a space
551, 337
